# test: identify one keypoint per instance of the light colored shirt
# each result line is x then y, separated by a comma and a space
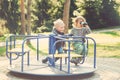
80, 31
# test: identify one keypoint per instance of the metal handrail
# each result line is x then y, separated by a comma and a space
64, 40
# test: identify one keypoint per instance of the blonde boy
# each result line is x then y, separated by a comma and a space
58, 29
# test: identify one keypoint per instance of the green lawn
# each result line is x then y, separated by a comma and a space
2, 38
108, 44
2, 51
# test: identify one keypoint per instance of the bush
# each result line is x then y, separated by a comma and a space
3, 28
43, 29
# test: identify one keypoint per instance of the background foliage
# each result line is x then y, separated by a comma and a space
99, 13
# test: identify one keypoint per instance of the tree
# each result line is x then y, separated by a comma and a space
9, 12
73, 7
100, 13
29, 17
41, 12
66, 14
91, 12
22, 17
108, 13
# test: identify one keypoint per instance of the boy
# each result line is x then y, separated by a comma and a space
58, 29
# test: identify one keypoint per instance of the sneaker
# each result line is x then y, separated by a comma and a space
44, 60
74, 61
78, 60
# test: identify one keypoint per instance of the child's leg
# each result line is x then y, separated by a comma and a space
78, 48
86, 50
60, 51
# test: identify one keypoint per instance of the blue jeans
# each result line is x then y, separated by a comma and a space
60, 51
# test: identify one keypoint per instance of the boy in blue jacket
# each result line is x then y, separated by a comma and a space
58, 30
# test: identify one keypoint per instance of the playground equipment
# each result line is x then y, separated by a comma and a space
52, 68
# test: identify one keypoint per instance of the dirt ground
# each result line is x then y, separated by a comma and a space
107, 69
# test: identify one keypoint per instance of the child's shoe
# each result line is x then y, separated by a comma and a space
74, 61
44, 60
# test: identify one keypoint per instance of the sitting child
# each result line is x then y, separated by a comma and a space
58, 29
80, 28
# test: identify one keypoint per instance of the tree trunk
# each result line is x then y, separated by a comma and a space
66, 14
22, 18
29, 17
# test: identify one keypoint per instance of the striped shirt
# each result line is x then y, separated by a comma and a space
80, 31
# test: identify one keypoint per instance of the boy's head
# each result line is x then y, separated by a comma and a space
59, 25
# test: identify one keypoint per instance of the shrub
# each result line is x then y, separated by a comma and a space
43, 29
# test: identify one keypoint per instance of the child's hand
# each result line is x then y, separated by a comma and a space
84, 23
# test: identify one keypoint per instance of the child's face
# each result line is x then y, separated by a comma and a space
60, 28
78, 23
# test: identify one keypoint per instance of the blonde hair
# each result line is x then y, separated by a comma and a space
58, 22
75, 20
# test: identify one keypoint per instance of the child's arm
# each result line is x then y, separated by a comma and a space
87, 30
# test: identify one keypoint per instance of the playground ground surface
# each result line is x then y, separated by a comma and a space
107, 69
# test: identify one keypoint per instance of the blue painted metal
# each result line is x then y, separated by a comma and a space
10, 42
60, 63
63, 39
52, 49
19, 53
52, 43
29, 38
28, 58
52, 40
10, 59
14, 41
37, 49
68, 56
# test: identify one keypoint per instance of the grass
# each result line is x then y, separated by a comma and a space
113, 33
108, 45
2, 51
2, 38
107, 28
106, 50
34, 49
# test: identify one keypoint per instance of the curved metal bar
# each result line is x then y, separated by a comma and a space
59, 37
63, 39
17, 56
29, 38
7, 39
14, 37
